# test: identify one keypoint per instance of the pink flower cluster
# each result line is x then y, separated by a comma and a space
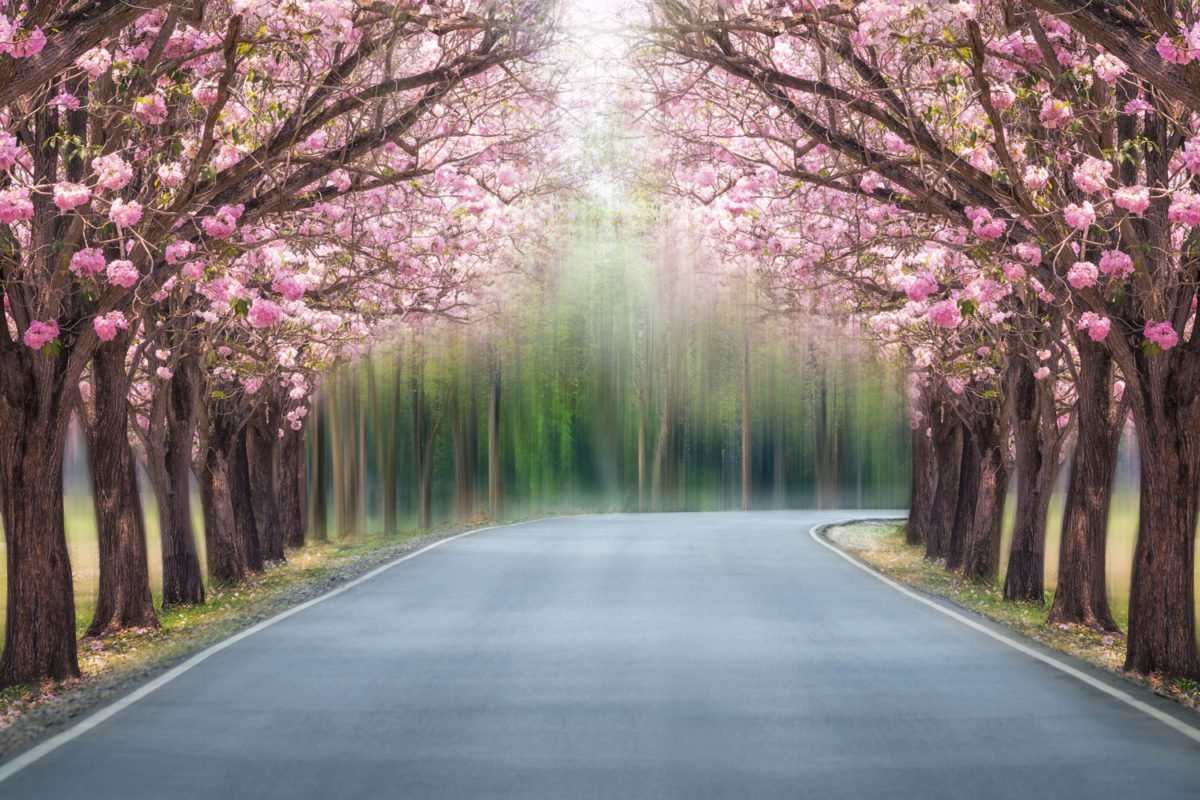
1080, 216
1055, 113
1083, 274
87, 262
122, 273
71, 195
19, 42
1185, 209
15, 205
1180, 49
106, 326
10, 151
112, 172
1097, 327
945, 314
1135, 199
1116, 264
39, 333
1161, 333
264, 313
1092, 175
222, 224
986, 226
125, 214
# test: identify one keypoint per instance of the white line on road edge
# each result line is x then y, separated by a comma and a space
91, 721
1166, 719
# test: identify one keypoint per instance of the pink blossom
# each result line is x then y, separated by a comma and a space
1013, 271
1132, 198
10, 151
1096, 325
1055, 113
122, 273
125, 214
945, 314
705, 177
171, 174
70, 195
1116, 264
112, 172
15, 205
95, 62
40, 333
252, 385
1028, 252
1082, 274
1185, 209
1036, 177
150, 109
293, 286
1041, 373
222, 224
23, 43
164, 373
86, 262
984, 225
956, 384
1161, 333
1108, 68
1092, 175
1173, 49
1080, 217
179, 251
264, 313
106, 327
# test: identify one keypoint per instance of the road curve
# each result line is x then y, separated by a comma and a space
681, 656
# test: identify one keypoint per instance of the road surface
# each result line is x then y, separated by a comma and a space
682, 656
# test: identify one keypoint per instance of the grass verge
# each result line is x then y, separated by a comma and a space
113, 664
881, 545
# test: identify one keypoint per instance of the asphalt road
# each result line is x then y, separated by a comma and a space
658, 656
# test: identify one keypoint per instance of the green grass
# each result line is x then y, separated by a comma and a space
883, 547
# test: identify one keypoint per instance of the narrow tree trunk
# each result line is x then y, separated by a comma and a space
169, 463
293, 489
968, 498
243, 504
947, 456
924, 475
39, 633
1035, 434
981, 549
265, 479
1162, 623
1081, 596
124, 596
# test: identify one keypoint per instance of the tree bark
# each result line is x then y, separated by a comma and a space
293, 489
169, 463
320, 468
947, 448
243, 503
39, 633
1036, 437
1162, 623
124, 596
1081, 596
265, 478
981, 548
924, 474
968, 499
225, 537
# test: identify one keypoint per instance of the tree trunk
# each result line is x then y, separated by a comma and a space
947, 456
1035, 434
225, 537
1081, 596
265, 479
981, 548
968, 499
924, 474
39, 633
243, 504
1162, 623
124, 598
169, 463
293, 489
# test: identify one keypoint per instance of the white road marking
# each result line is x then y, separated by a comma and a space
1170, 721
84, 725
